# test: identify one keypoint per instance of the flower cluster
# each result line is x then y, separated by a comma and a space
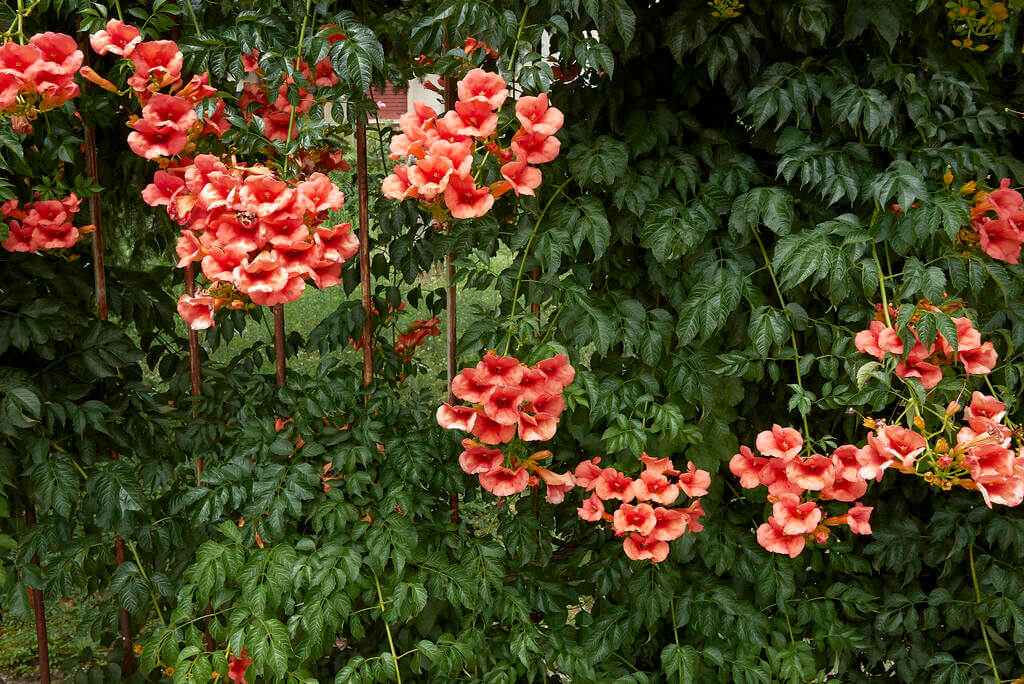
977, 455
983, 450
169, 125
797, 485
254, 233
415, 335
508, 399
650, 524
273, 108
412, 337
974, 21
472, 45
37, 76
237, 666
925, 362
442, 176
997, 222
42, 224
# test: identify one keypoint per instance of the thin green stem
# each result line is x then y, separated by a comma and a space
191, 13
142, 571
522, 264
1009, 423
789, 626
977, 596
675, 634
792, 332
387, 628
881, 286
551, 325
117, 6
515, 45
298, 61
635, 669
21, 18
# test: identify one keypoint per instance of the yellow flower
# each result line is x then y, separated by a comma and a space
169, 670
138, 649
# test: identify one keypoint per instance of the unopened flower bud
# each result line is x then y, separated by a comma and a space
919, 422
944, 461
941, 446
21, 125
952, 408
869, 423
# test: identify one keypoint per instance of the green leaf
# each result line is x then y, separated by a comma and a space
604, 161
592, 226
671, 229
680, 663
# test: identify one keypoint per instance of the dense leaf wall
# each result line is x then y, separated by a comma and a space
703, 251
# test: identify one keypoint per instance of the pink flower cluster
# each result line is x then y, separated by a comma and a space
796, 484
648, 525
998, 220
40, 75
42, 224
984, 451
254, 233
507, 398
169, 121
442, 176
925, 363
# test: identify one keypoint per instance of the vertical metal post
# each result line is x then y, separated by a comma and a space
193, 355
450, 335
39, 609
279, 356
100, 278
364, 248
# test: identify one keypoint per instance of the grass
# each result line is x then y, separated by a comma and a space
18, 658
306, 313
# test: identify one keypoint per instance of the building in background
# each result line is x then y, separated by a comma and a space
394, 101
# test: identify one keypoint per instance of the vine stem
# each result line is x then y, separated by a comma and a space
792, 332
191, 12
977, 596
522, 264
298, 59
387, 628
142, 571
675, 634
881, 286
515, 45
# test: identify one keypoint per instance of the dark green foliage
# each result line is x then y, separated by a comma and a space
709, 227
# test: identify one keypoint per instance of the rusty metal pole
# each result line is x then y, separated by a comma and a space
193, 337
193, 355
450, 332
100, 278
279, 355
42, 647
364, 248
450, 337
